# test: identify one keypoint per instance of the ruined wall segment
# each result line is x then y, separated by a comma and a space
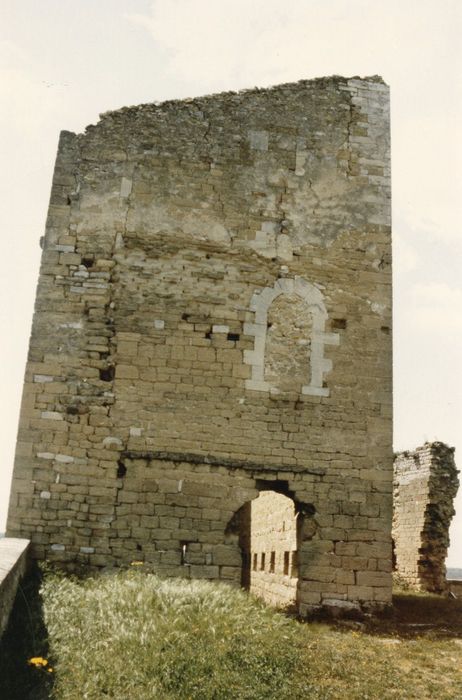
425, 485
214, 309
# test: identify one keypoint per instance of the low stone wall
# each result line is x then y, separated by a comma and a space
13, 562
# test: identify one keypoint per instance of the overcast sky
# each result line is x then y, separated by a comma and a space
62, 62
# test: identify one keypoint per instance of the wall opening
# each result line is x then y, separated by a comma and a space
268, 538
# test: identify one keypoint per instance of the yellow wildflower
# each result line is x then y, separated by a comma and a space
38, 661
136, 563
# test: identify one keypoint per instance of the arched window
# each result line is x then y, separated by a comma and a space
289, 339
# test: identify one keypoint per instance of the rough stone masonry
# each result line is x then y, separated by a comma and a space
425, 485
213, 322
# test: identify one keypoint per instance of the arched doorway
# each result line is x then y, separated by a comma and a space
274, 549
268, 529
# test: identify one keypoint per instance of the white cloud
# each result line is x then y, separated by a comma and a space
11, 54
214, 41
405, 254
238, 43
25, 100
436, 308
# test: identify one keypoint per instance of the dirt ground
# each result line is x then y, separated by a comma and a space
414, 615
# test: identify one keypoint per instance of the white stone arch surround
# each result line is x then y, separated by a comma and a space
259, 304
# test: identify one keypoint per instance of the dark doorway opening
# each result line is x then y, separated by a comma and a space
268, 531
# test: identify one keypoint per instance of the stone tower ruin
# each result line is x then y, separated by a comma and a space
208, 386
425, 485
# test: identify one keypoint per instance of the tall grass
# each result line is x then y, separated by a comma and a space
133, 636
136, 636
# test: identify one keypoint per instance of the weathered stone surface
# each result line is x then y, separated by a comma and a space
13, 564
425, 485
213, 314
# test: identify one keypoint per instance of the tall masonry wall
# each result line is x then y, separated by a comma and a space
213, 314
425, 485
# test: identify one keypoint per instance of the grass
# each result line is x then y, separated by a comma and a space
133, 636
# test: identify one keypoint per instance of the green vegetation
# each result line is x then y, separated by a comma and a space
133, 636
24, 638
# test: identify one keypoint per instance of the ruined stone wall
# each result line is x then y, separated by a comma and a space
425, 485
214, 309
273, 549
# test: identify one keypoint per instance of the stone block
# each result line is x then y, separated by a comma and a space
371, 578
227, 556
209, 572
